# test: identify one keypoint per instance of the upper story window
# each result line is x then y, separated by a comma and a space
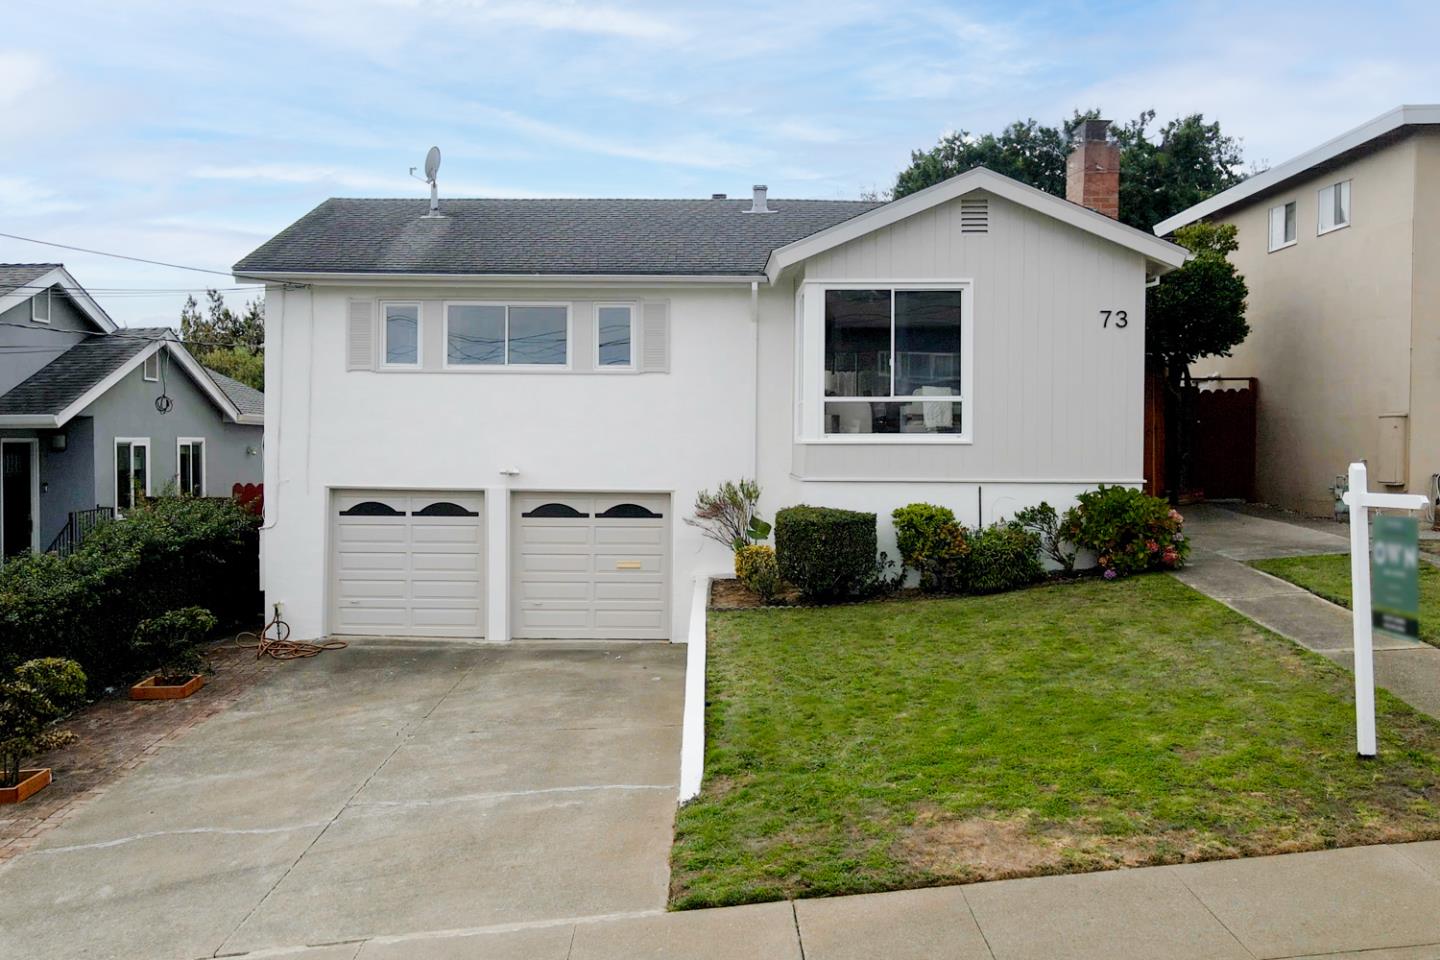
40, 306
1333, 204
151, 368
1282, 226
507, 334
895, 361
401, 335
614, 336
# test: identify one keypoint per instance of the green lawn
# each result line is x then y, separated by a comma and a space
1069, 727
1328, 576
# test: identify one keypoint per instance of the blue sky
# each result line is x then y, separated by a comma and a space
191, 132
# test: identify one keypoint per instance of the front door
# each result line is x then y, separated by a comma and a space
17, 490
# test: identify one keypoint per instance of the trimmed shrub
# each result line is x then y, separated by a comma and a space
1129, 531
828, 554
172, 552
757, 568
170, 643
932, 544
40, 692
1005, 556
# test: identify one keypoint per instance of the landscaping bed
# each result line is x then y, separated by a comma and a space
1070, 727
1328, 576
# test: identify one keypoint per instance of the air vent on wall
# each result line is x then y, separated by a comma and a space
974, 215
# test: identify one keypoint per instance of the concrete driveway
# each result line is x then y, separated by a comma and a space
387, 790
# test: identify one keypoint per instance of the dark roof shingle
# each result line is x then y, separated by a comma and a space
647, 237
14, 275
65, 379
246, 398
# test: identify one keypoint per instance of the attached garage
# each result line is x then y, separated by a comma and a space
590, 566
409, 563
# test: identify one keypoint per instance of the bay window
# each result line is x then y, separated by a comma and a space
893, 361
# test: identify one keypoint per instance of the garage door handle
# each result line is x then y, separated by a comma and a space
627, 565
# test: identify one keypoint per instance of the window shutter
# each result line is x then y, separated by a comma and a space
655, 336
360, 336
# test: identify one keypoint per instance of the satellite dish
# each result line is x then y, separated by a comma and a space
432, 164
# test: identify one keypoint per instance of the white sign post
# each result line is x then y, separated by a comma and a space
1360, 500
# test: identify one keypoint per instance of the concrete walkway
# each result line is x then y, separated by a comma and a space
1223, 539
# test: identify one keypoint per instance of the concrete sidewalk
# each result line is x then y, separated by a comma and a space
1224, 539
1379, 903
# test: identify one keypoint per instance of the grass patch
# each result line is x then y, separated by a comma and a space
1328, 576
1070, 727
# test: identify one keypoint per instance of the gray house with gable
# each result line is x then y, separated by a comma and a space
93, 415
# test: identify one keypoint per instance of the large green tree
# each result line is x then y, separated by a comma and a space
1162, 170
228, 341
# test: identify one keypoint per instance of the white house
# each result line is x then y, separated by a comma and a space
491, 421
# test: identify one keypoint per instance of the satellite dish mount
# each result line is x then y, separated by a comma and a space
432, 167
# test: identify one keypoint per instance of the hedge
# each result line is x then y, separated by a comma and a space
827, 554
172, 552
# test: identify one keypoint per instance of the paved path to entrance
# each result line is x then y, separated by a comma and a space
387, 790
1223, 539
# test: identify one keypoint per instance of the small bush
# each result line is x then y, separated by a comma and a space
40, 692
828, 554
171, 552
757, 568
932, 544
728, 515
1045, 523
171, 642
1129, 531
1005, 556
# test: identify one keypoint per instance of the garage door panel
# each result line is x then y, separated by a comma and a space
398, 574
603, 575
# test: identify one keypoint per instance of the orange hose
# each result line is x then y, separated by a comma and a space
280, 646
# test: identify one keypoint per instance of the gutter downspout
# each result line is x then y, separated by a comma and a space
755, 391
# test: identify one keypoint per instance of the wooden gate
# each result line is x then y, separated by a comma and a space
1223, 438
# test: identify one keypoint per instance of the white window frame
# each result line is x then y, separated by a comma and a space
145, 367
812, 352
630, 367
1320, 229
1270, 226
115, 466
385, 363
35, 304
204, 467
34, 445
507, 366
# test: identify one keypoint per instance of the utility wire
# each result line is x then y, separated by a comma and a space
119, 334
125, 256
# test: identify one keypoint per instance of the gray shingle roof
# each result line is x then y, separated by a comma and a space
652, 237
65, 379
246, 398
14, 275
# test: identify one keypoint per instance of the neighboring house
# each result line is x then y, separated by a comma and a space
1341, 250
80, 426
493, 422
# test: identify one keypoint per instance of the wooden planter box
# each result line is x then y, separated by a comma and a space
31, 781
149, 689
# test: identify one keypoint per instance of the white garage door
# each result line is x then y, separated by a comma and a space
591, 566
408, 564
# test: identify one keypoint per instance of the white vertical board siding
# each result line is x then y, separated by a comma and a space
1056, 395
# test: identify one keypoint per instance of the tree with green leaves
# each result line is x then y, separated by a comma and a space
1162, 171
227, 341
1193, 312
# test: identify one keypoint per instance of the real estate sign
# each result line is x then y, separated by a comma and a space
1395, 576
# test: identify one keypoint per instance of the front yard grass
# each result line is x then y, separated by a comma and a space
1328, 576
1071, 727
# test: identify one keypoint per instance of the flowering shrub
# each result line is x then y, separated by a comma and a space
1129, 531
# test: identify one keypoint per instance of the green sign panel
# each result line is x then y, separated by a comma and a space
1395, 575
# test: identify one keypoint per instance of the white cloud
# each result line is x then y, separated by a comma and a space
22, 197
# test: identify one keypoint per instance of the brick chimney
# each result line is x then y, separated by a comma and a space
1092, 171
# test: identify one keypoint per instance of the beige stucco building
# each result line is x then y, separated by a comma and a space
1341, 251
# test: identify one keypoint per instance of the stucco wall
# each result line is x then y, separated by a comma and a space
1425, 318
26, 346
127, 410
1330, 321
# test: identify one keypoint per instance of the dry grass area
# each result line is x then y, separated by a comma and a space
1077, 726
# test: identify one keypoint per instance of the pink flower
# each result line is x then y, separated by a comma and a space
1175, 515
1110, 574
1151, 545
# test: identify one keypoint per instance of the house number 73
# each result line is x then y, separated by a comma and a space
1116, 318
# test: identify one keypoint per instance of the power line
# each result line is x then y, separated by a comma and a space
125, 256
120, 334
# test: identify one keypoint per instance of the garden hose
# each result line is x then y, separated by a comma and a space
277, 644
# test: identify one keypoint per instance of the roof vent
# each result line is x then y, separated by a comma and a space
718, 196
974, 215
757, 205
